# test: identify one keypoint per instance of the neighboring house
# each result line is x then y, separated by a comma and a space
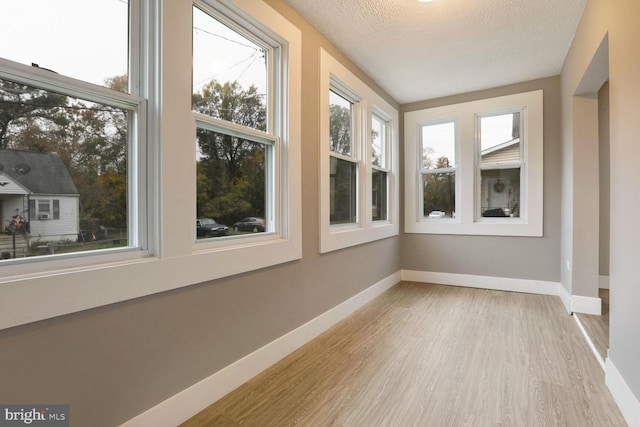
501, 187
38, 187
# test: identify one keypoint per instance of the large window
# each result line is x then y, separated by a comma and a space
144, 161
438, 170
359, 187
476, 167
72, 123
343, 160
235, 82
380, 168
244, 102
500, 164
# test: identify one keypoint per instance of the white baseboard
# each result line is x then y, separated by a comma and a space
573, 303
592, 346
603, 282
565, 297
580, 304
622, 394
586, 305
189, 402
484, 282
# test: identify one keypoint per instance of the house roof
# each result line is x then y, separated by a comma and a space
40, 173
500, 146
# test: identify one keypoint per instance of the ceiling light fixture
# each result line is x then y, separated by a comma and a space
424, 1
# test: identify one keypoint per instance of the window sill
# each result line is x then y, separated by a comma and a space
37, 296
484, 227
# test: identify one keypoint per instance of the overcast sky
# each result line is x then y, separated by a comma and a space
441, 137
222, 54
95, 47
49, 34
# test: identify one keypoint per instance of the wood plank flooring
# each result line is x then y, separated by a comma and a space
430, 355
597, 327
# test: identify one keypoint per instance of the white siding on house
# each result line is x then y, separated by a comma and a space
10, 186
65, 228
509, 154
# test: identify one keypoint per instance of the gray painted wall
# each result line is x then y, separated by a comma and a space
535, 258
113, 363
605, 160
617, 22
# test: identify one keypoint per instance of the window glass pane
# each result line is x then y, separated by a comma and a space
379, 195
343, 195
70, 147
87, 40
439, 146
500, 138
500, 193
231, 181
229, 73
378, 142
43, 206
439, 193
340, 124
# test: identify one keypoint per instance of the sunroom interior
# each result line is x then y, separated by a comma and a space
140, 315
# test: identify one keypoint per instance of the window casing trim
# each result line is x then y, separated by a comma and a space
502, 165
276, 196
467, 181
386, 121
282, 139
137, 107
334, 76
423, 171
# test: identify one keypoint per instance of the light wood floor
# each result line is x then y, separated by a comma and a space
597, 327
429, 355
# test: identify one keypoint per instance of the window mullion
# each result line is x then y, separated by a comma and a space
362, 133
501, 165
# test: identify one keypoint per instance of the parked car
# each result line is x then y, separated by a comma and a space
208, 227
250, 223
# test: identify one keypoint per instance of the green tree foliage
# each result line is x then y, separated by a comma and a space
342, 183
342, 180
21, 106
90, 138
439, 189
230, 102
231, 170
339, 129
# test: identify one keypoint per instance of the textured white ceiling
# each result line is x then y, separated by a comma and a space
417, 51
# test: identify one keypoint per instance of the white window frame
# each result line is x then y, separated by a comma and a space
386, 148
335, 75
468, 220
43, 202
135, 103
169, 259
356, 154
241, 252
520, 163
51, 212
424, 171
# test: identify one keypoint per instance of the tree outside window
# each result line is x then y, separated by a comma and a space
235, 141
343, 173
438, 169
